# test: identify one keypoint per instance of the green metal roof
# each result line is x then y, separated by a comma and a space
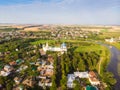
90, 88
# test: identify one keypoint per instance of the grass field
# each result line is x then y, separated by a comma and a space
109, 35
92, 47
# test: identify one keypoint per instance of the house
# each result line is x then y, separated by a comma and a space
4, 73
42, 52
81, 74
22, 67
19, 87
50, 58
48, 72
12, 63
29, 81
17, 80
43, 62
94, 81
41, 84
92, 74
8, 68
70, 78
39, 68
42, 72
45, 82
93, 78
110, 40
48, 82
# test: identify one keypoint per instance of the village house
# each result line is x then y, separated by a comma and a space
12, 63
4, 73
42, 52
8, 68
93, 78
18, 80
45, 82
22, 67
50, 58
48, 72
29, 81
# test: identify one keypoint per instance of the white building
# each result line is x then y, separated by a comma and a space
71, 78
110, 40
62, 48
81, 74
91, 76
4, 73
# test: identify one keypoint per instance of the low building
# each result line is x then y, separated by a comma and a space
50, 58
110, 40
42, 52
8, 68
12, 63
22, 67
17, 80
70, 78
94, 81
93, 78
81, 74
4, 73
29, 82
45, 82
48, 72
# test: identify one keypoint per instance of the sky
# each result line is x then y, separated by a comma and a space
84, 12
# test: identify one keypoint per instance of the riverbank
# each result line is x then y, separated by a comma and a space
116, 44
105, 59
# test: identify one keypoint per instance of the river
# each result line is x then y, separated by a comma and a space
113, 65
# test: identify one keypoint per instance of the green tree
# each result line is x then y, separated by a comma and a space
53, 87
77, 85
63, 82
81, 65
108, 78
